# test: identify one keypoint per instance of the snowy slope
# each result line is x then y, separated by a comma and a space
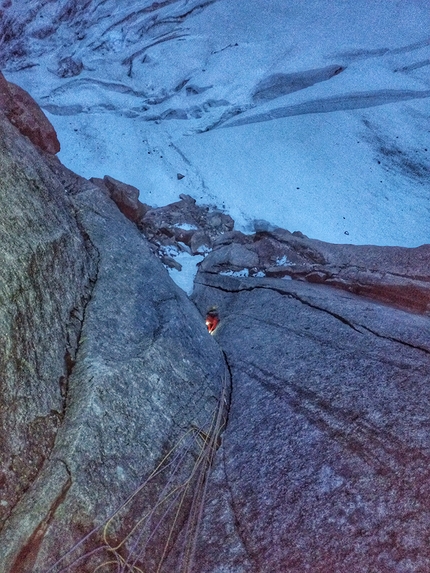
311, 115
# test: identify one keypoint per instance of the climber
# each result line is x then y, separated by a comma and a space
212, 320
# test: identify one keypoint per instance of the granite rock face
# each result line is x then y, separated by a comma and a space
47, 266
105, 366
324, 464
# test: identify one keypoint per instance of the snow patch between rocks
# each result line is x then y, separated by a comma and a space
283, 262
184, 278
241, 273
186, 227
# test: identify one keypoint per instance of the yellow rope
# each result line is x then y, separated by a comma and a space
207, 441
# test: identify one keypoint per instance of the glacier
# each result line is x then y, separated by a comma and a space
313, 116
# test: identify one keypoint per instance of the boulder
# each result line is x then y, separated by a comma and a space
69, 67
25, 114
126, 197
200, 243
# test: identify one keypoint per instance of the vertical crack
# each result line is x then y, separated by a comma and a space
228, 391
231, 501
78, 313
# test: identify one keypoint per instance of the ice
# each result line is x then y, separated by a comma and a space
282, 261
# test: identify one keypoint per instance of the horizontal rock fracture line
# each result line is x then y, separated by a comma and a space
290, 295
397, 340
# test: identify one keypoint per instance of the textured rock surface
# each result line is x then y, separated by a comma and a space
46, 270
24, 113
325, 461
105, 364
184, 226
395, 275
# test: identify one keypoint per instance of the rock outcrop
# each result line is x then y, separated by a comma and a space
394, 275
25, 114
106, 367
324, 464
47, 267
125, 196
185, 223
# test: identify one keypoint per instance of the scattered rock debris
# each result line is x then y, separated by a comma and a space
185, 227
